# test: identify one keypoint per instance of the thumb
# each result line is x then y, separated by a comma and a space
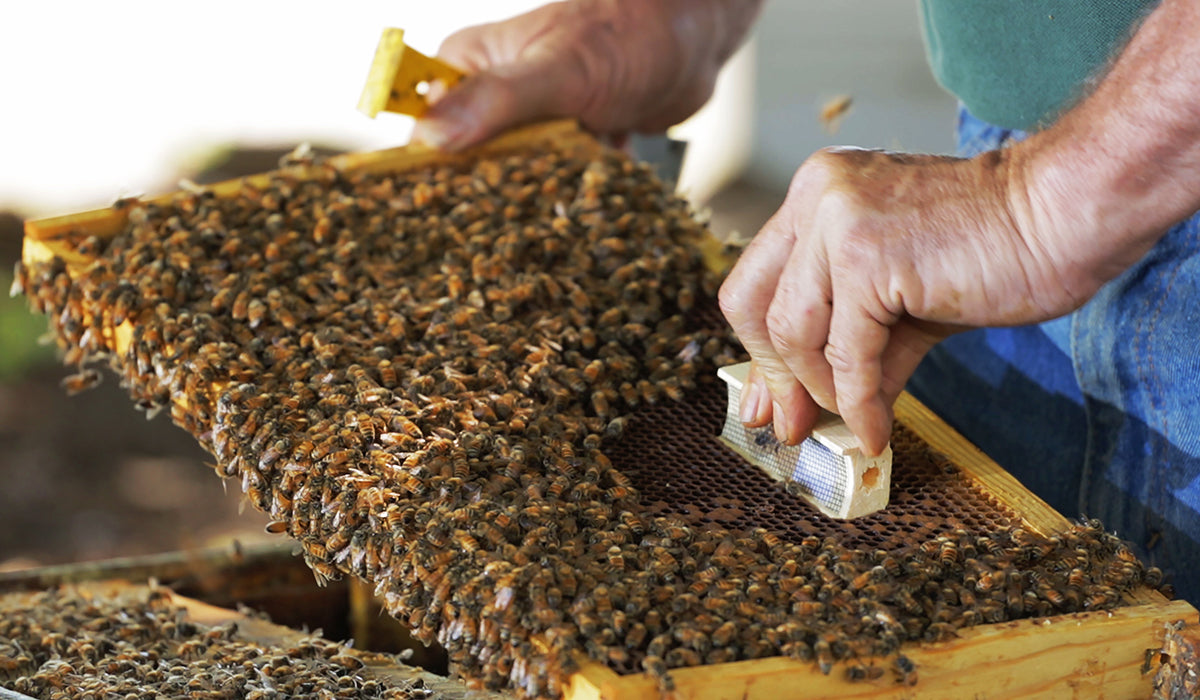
486, 103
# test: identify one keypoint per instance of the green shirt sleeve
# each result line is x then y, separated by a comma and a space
1018, 64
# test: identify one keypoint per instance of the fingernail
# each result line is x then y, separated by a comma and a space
438, 133
752, 403
874, 450
782, 427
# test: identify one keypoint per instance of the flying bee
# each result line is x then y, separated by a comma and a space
81, 381
833, 111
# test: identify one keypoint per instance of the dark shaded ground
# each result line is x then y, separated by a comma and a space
88, 477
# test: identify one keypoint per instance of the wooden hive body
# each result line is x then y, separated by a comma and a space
1041, 657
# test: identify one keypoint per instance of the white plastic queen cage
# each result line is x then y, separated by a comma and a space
828, 469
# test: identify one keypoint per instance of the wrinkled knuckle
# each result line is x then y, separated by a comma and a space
852, 401
500, 94
817, 169
729, 300
842, 360
465, 47
782, 330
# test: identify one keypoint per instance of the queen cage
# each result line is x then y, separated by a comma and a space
827, 469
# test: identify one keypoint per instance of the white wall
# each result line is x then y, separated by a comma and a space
102, 99
811, 50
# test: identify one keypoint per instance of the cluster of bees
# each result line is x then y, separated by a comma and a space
419, 375
1178, 674
140, 645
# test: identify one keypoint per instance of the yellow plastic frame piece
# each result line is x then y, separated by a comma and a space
397, 75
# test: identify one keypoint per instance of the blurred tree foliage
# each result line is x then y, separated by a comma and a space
20, 328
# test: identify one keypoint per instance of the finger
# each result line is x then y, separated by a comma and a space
744, 298
798, 321
857, 341
496, 99
907, 346
756, 409
755, 406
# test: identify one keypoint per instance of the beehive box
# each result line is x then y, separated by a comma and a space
241, 584
208, 585
267, 577
670, 455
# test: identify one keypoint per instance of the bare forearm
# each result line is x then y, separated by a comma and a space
615, 65
1124, 165
675, 48
721, 24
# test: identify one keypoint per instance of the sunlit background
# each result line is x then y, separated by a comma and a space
113, 98
108, 99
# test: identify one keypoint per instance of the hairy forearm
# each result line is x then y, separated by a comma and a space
1124, 165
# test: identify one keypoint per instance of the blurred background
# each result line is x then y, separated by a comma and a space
103, 100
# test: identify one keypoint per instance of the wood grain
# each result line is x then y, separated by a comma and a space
1088, 655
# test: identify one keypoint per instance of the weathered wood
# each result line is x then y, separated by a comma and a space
380, 666
1178, 677
212, 568
383, 667
1084, 656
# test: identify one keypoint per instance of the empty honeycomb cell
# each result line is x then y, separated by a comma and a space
928, 494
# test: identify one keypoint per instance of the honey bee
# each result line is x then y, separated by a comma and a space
648, 391
618, 493
323, 571
833, 111
905, 669
81, 381
939, 632
466, 542
948, 554
1101, 597
683, 656
657, 667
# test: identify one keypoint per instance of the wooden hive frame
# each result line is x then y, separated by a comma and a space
1083, 654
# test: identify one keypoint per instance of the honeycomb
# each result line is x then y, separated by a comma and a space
671, 453
488, 387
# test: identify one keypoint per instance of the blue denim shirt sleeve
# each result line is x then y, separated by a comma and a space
1098, 412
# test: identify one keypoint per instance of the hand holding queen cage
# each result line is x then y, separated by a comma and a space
827, 469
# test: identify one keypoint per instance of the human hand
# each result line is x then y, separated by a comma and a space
872, 259
616, 65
